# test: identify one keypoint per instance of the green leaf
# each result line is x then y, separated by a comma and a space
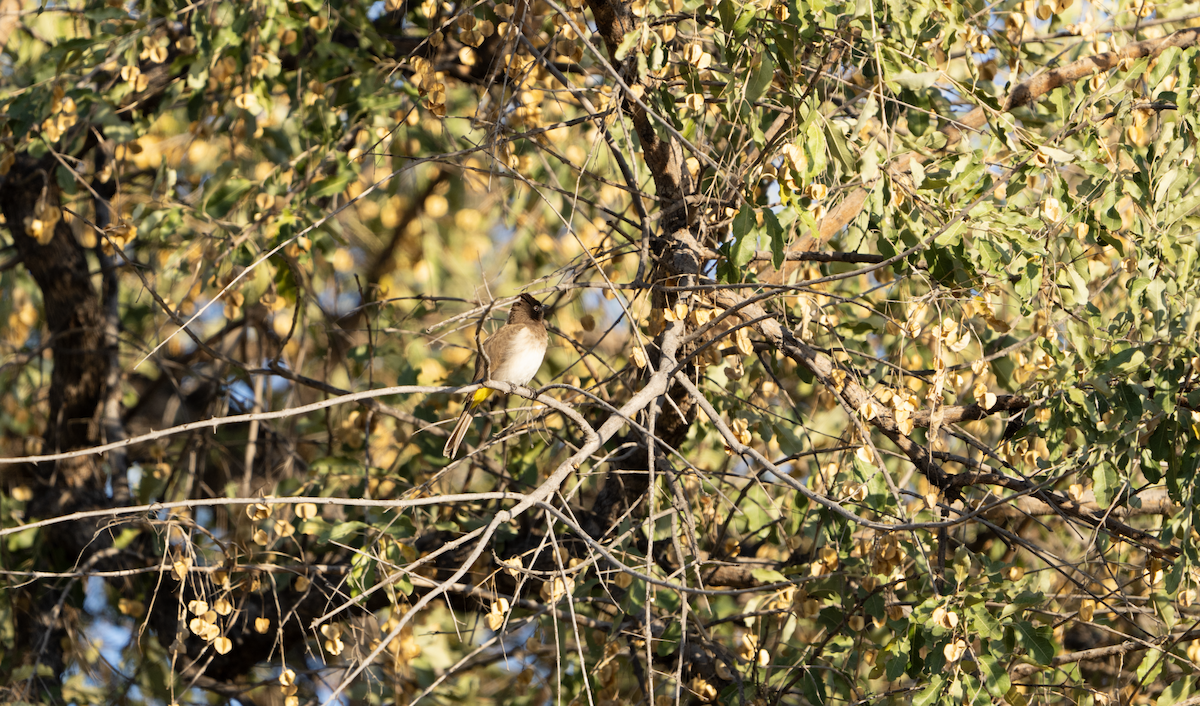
226, 196
336, 464
104, 12
776, 234
1124, 362
344, 529
1149, 670
735, 17
1176, 691
918, 120
115, 128
362, 572
814, 148
331, 185
315, 527
1035, 640
768, 576
1023, 600
635, 597
126, 537
1056, 154
745, 236
837, 145
1105, 483
875, 607
870, 163
760, 78
918, 173
995, 675
728, 13
1164, 605
897, 665
22, 540
1162, 448
627, 43
1079, 285
812, 687
1164, 186
915, 81
930, 693
984, 623
65, 179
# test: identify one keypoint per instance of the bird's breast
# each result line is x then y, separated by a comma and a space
524, 359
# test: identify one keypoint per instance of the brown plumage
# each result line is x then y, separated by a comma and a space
513, 354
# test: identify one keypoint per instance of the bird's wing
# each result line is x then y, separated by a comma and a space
480, 363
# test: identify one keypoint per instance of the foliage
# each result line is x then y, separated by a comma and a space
872, 378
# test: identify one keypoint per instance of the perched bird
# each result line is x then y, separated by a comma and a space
513, 354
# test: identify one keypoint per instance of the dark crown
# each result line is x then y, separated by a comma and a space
536, 310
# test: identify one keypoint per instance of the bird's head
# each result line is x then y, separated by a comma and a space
534, 308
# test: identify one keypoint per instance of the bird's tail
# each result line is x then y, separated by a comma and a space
460, 431
464, 422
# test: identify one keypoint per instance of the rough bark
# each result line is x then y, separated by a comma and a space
75, 317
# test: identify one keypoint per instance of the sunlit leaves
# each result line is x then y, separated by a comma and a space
1047, 253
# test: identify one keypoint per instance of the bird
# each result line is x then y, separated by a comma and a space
512, 354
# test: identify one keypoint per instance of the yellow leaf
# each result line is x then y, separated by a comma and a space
742, 339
